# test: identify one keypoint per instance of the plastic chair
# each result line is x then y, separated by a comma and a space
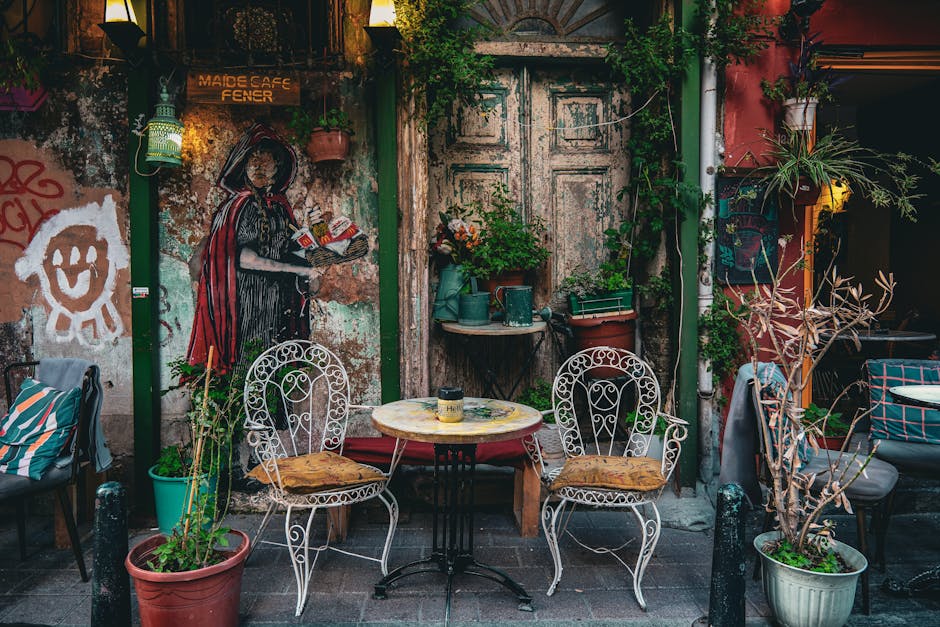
306, 384
59, 476
606, 383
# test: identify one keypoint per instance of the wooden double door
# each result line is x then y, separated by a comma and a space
555, 136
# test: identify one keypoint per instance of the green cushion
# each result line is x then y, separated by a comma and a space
37, 429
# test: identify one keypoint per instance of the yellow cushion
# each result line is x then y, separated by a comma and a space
318, 472
616, 473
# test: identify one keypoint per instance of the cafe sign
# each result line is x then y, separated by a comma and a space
244, 88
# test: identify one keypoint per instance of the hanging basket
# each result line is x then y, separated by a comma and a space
328, 145
22, 99
807, 193
799, 114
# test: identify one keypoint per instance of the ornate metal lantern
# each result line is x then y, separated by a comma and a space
165, 134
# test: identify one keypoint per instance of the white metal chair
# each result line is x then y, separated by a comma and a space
628, 384
307, 384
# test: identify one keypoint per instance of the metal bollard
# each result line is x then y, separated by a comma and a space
726, 598
110, 591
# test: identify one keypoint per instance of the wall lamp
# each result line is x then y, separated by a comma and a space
164, 133
381, 28
120, 25
795, 23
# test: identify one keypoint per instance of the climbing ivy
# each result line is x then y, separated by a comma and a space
738, 32
719, 341
440, 62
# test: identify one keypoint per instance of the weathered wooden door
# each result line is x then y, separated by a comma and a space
555, 136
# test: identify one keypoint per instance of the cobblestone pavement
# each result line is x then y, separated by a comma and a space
594, 590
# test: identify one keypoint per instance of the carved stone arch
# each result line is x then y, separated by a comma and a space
582, 20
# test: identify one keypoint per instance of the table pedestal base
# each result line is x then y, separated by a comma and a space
452, 553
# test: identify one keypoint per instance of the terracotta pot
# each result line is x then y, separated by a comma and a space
509, 277
207, 596
833, 443
615, 330
328, 145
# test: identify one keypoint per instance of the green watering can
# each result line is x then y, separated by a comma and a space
517, 303
446, 302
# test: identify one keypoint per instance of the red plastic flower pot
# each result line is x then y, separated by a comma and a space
207, 596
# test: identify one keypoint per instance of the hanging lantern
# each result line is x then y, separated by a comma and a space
382, 13
122, 28
165, 134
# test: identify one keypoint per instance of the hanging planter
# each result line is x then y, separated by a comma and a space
328, 145
799, 114
807, 192
22, 99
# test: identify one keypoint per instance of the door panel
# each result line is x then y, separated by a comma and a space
555, 137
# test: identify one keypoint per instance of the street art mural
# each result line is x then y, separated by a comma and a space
26, 188
261, 266
76, 255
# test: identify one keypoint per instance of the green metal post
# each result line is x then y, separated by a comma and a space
688, 245
386, 121
144, 284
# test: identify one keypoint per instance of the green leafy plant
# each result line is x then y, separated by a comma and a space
719, 341
303, 123
886, 179
172, 462
539, 397
506, 241
732, 30
829, 423
817, 557
658, 429
612, 275
441, 63
20, 64
805, 80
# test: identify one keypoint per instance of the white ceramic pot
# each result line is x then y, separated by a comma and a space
799, 114
800, 598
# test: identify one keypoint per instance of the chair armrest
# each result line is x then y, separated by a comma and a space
353, 406
676, 432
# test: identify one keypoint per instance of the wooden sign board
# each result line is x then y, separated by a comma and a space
244, 88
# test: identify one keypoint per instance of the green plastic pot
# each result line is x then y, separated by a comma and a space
170, 495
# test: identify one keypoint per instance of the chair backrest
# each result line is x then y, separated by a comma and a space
891, 419
296, 401
628, 385
14, 375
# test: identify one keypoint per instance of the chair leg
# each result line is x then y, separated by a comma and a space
264, 523
73, 531
881, 529
860, 512
392, 505
298, 545
650, 528
550, 527
21, 526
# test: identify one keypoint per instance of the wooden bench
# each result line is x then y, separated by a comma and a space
378, 452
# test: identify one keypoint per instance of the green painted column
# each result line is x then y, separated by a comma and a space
690, 122
386, 123
144, 284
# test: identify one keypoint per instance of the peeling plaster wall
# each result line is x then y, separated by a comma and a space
64, 280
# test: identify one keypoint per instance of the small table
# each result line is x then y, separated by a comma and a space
927, 582
467, 333
455, 444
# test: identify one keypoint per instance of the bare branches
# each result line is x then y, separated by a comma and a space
780, 327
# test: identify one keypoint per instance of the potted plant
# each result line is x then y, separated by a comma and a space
172, 484
193, 576
833, 430
601, 301
326, 137
509, 246
451, 247
20, 67
799, 170
539, 396
805, 569
655, 447
803, 88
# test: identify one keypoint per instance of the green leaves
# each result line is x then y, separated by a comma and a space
816, 558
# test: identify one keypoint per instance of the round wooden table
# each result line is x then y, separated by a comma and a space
455, 444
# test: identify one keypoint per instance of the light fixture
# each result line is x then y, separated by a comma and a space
121, 26
382, 13
164, 134
381, 28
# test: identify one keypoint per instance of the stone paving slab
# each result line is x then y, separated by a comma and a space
594, 589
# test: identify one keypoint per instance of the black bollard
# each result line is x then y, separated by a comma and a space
726, 599
110, 588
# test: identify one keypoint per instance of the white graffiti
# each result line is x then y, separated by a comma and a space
76, 255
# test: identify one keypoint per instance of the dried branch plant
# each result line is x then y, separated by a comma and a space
782, 328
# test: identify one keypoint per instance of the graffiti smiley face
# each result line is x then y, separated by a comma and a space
77, 266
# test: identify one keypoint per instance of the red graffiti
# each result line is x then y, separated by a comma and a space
22, 189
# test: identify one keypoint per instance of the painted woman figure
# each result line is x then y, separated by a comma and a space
252, 287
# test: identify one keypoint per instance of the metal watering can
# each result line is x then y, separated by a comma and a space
516, 303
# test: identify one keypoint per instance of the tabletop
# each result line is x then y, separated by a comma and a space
927, 395
485, 420
493, 328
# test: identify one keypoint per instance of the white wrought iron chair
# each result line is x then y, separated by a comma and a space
607, 383
307, 385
